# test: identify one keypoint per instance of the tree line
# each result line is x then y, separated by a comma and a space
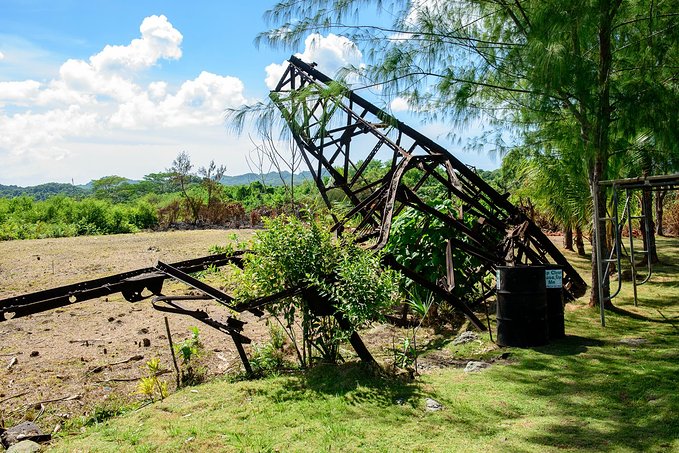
179, 197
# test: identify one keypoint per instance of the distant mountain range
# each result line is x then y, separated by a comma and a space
270, 179
44, 191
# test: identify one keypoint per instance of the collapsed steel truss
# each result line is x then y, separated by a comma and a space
341, 134
334, 128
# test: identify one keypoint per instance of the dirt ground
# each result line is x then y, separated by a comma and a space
63, 354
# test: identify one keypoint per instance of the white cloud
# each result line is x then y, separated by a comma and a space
399, 104
2, 56
18, 92
101, 97
159, 39
198, 101
330, 53
38, 133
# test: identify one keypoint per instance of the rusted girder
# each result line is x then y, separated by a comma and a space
341, 134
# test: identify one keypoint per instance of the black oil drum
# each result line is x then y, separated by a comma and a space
521, 306
554, 288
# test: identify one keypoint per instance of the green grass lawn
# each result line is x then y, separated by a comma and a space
588, 392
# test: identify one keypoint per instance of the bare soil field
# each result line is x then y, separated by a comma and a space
66, 354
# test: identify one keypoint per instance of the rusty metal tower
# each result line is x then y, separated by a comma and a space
341, 134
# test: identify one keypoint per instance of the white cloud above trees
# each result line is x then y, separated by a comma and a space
103, 94
109, 106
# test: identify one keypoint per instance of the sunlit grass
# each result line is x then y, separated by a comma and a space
587, 392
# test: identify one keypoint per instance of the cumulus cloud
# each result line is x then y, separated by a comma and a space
330, 53
38, 132
18, 92
198, 101
399, 104
159, 39
102, 94
2, 56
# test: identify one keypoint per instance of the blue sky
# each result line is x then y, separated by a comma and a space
95, 88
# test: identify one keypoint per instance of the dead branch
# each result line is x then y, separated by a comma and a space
160, 373
13, 396
100, 368
12, 363
63, 398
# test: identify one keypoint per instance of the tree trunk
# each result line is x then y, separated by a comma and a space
659, 206
601, 141
579, 243
568, 238
649, 242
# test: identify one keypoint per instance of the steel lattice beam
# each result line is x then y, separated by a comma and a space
341, 134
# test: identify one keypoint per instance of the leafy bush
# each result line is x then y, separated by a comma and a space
419, 242
338, 275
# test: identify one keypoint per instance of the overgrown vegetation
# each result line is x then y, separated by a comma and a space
168, 199
334, 276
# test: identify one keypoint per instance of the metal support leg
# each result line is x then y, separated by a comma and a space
599, 260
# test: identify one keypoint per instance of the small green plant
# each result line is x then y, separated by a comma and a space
420, 302
151, 386
270, 356
112, 407
405, 355
190, 351
235, 243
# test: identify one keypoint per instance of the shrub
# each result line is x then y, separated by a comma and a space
419, 242
339, 275
144, 216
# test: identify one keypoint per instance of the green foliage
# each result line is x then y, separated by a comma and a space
339, 275
269, 357
190, 351
25, 218
112, 407
117, 205
151, 386
419, 242
42, 192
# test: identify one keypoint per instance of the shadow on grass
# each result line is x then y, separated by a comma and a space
360, 383
355, 381
640, 317
608, 395
570, 345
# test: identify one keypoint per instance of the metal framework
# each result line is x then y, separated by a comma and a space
628, 186
341, 134
148, 282
335, 128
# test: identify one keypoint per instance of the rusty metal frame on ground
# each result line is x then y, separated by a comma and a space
145, 283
